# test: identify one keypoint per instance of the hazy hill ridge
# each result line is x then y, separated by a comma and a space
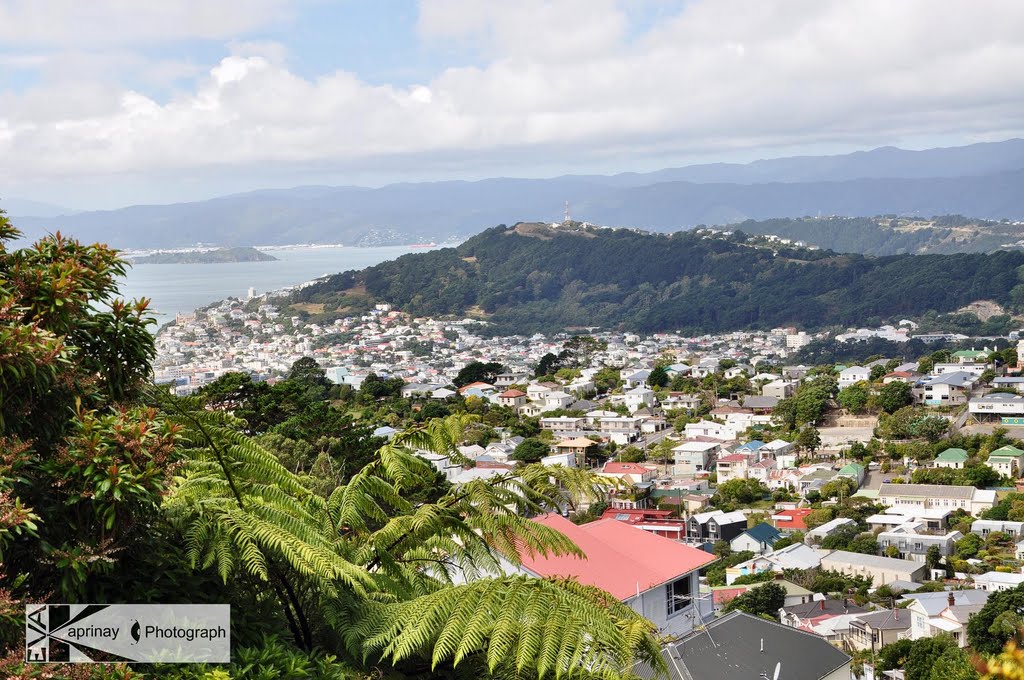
981, 180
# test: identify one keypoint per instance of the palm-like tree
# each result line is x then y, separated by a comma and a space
419, 588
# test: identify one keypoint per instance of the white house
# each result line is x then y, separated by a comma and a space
693, 457
853, 374
997, 580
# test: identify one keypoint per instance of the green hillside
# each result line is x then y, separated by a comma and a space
532, 277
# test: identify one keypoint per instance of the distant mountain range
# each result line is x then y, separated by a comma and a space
534, 277
20, 207
980, 180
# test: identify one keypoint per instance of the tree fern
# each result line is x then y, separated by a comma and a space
400, 582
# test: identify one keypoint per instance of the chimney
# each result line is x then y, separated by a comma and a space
951, 599
822, 602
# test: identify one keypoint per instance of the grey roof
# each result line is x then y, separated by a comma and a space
997, 398
887, 620
933, 603
756, 401
927, 491
954, 378
730, 649
824, 607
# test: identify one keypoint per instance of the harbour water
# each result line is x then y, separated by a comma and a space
175, 288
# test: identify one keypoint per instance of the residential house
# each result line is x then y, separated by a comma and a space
923, 496
880, 569
913, 545
1006, 461
811, 614
683, 401
854, 471
974, 369
716, 525
780, 389
762, 469
1000, 406
655, 576
657, 522
637, 398
632, 377
874, 630
578, 447
758, 539
791, 520
779, 449
993, 581
694, 457
557, 399
818, 534
733, 466
537, 392
709, 428
563, 424
512, 398
852, 375
631, 473
952, 458
511, 378
946, 389
795, 556
984, 527
926, 611
727, 649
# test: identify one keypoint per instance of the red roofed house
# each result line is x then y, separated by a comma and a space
477, 384
791, 520
657, 522
655, 576
512, 398
633, 473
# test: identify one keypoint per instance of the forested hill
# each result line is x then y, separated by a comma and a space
893, 235
533, 277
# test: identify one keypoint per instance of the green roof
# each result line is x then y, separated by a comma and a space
1006, 452
970, 353
952, 456
852, 469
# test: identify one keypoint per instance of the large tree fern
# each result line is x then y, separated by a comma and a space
408, 585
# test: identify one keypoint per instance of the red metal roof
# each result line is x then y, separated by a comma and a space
732, 458
614, 468
512, 394
795, 521
620, 558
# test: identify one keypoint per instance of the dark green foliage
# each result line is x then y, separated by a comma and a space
894, 396
998, 621
658, 377
478, 371
530, 451
651, 282
765, 599
716, 572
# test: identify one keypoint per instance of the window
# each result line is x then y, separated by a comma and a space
678, 595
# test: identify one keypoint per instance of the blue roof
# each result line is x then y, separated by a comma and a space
764, 533
752, 445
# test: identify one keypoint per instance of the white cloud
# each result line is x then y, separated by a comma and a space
556, 78
130, 22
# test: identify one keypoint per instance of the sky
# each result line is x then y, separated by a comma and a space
116, 102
